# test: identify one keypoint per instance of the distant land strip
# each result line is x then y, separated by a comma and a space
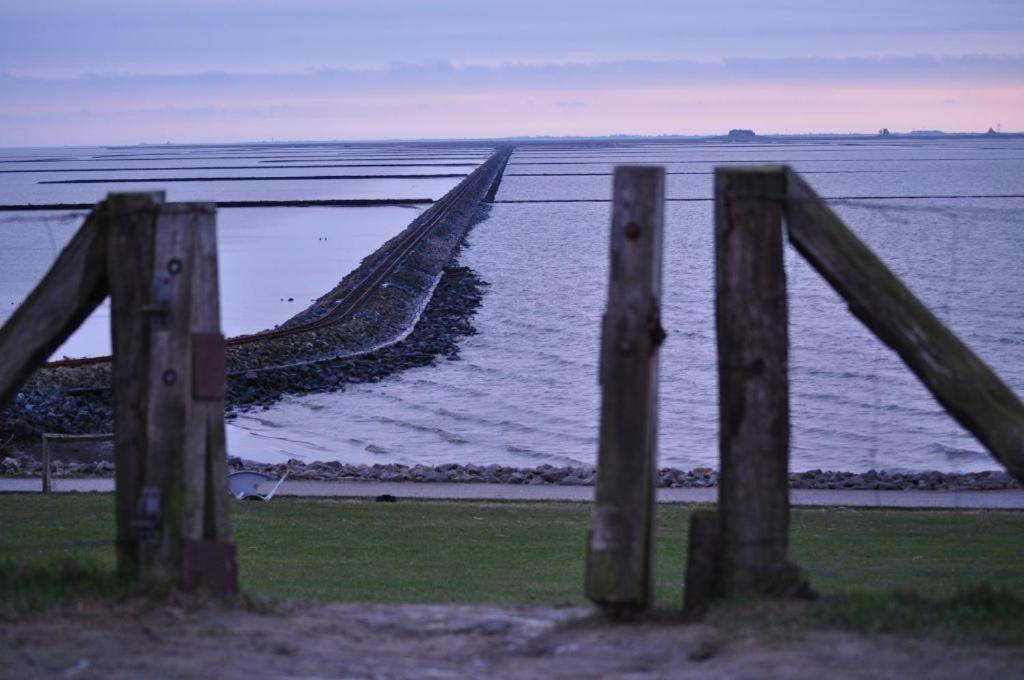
823, 198
248, 167
770, 161
326, 203
468, 160
264, 158
255, 178
285, 159
609, 174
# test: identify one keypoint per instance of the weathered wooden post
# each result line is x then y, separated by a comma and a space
131, 220
753, 366
45, 451
170, 437
158, 262
620, 541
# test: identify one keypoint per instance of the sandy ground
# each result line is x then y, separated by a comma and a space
445, 641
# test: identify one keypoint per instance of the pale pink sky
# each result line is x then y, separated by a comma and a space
311, 69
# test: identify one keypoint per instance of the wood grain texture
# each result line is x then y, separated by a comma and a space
209, 516
965, 386
753, 365
619, 544
170, 388
129, 257
72, 288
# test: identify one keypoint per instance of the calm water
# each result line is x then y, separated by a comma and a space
524, 391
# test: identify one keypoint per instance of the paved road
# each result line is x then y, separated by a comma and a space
517, 492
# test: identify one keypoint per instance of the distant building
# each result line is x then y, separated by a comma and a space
884, 132
741, 134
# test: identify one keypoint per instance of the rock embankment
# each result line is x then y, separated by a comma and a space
580, 475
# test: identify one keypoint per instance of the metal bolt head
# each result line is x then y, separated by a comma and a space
632, 231
170, 377
174, 266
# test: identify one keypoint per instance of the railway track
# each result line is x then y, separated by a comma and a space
350, 301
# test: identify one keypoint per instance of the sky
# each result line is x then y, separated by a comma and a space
129, 71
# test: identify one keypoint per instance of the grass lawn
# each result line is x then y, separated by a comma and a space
525, 553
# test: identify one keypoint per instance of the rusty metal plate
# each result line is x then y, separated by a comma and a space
208, 366
212, 566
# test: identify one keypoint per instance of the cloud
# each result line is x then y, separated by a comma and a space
586, 75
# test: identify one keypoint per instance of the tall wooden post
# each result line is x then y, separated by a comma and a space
620, 541
187, 461
753, 364
174, 473
131, 220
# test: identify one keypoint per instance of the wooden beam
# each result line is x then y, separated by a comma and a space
620, 542
753, 364
73, 287
132, 219
964, 385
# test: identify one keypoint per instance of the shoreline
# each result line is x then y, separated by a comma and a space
23, 464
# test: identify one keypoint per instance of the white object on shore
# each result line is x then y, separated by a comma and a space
246, 484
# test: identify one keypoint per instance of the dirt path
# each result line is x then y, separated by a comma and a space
423, 641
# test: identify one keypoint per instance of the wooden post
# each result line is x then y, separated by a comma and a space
620, 541
166, 321
159, 264
753, 346
46, 451
959, 380
187, 460
132, 220
210, 559
46, 464
703, 562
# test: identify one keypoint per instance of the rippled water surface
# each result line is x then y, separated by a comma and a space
524, 390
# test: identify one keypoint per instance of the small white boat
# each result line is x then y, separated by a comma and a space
247, 484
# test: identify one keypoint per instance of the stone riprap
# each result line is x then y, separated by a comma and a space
26, 465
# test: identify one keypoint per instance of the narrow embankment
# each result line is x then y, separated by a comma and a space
405, 305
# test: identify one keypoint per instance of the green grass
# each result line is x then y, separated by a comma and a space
532, 553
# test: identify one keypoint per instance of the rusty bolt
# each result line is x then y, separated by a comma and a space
632, 231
